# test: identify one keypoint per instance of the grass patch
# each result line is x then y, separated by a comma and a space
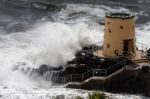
78, 97
96, 95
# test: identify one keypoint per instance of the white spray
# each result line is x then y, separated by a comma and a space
51, 43
46, 43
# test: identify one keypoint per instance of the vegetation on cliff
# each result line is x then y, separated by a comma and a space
94, 95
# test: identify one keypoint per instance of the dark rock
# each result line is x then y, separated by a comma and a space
148, 54
45, 6
5, 87
42, 69
60, 97
145, 69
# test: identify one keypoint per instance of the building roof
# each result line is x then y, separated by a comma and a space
119, 15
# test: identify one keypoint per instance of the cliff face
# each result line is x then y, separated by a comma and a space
145, 80
127, 82
132, 81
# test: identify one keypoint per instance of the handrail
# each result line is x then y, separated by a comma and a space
99, 72
138, 44
93, 72
143, 46
121, 63
117, 64
76, 76
98, 43
88, 72
99, 69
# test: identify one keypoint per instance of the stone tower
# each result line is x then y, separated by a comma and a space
119, 37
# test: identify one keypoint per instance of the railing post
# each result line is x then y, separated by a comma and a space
105, 72
93, 72
142, 47
71, 77
82, 77
64, 79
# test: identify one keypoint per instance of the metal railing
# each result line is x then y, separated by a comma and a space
116, 66
92, 73
142, 47
98, 43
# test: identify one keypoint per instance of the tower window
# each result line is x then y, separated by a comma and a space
116, 52
133, 26
108, 46
109, 30
108, 22
121, 27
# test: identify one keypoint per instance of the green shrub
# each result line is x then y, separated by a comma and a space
96, 95
78, 97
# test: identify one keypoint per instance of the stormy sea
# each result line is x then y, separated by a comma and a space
35, 32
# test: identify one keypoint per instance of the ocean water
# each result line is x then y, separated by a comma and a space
31, 35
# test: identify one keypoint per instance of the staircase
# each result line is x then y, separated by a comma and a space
140, 60
96, 78
94, 74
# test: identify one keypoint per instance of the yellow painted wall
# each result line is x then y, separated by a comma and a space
116, 31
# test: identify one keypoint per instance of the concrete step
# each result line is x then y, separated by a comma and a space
140, 60
115, 73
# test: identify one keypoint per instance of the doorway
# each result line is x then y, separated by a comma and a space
128, 47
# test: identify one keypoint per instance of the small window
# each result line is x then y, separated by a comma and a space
121, 27
116, 52
108, 22
133, 26
108, 46
109, 30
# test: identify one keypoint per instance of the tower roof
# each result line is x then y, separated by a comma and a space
119, 15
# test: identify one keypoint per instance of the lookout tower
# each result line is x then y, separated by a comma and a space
119, 37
